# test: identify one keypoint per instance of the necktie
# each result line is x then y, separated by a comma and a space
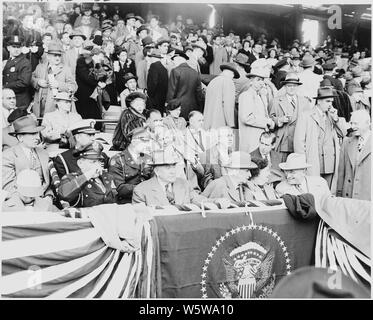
241, 193
33, 158
299, 188
200, 141
360, 143
170, 194
293, 102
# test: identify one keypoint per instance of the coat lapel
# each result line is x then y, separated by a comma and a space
317, 119
22, 158
352, 151
157, 191
232, 191
285, 105
179, 192
43, 157
365, 151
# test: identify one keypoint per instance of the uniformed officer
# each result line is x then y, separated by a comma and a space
90, 186
17, 72
132, 165
83, 133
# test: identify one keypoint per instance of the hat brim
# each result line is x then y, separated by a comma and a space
183, 55
285, 167
200, 47
241, 63
324, 97
36, 130
292, 82
251, 165
250, 75
77, 35
130, 78
163, 163
236, 74
162, 42
306, 65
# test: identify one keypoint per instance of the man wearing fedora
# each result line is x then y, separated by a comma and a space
184, 85
297, 181
156, 31
134, 46
71, 56
90, 185
354, 172
165, 188
253, 116
29, 195
122, 66
284, 111
49, 78
157, 81
317, 135
220, 98
57, 122
329, 73
310, 80
220, 55
25, 155
233, 185
17, 71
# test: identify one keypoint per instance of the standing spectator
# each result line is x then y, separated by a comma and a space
71, 56
135, 48
49, 78
256, 53
220, 98
86, 27
310, 80
252, 112
285, 110
32, 46
157, 82
93, 22
131, 118
184, 85
17, 72
354, 172
121, 67
317, 134
87, 82
142, 66
118, 30
75, 14
329, 72
207, 58
280, 69
220, 55
246, 48
156, 32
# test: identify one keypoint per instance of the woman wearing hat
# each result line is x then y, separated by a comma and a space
56, 123
49, 78
131, 118
122, 66
173, 121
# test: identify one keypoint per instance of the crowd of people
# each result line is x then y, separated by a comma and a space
207, 119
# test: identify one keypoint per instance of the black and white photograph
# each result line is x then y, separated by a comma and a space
186, 150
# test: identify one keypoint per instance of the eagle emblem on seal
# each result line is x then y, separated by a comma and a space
248, 271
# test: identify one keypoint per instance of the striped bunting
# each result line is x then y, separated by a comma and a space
48, 256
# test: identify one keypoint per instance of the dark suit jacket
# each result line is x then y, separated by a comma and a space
275, 157
129, 66
185, 85
17, 76
252, 58
157, 84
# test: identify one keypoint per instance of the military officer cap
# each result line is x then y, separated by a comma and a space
91, 152
15, 40
83, 126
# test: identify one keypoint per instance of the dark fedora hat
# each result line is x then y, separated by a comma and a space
280, 64
241, 59
147, 41
178, 53
128, 76
230, 66
130, 16
291, 78
324, 93
77, 33
142, 28
162, 40
329, 66
24, 125
141, 19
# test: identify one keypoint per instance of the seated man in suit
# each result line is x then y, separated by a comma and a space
29, 195
297, 182
90, 186
233, 185
25, 155
166, 189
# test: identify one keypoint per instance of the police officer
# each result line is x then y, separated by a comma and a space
83, 134
17, 72
132, 165
91, 185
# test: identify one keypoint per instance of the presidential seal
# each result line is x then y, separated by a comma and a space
247, 270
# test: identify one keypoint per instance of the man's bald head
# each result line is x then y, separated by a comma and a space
9, 99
